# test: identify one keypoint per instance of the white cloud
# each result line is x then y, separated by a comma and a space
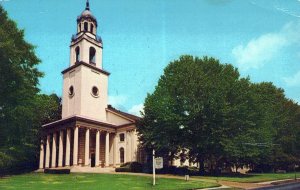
136, 109
293, 80
259, 51
117, 101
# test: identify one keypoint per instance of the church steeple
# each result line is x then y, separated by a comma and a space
85, 81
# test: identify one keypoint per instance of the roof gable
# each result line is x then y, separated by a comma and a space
130, 117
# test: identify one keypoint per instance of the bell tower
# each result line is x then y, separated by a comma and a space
86, 45
85, 82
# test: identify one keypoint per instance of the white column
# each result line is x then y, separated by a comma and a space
129, 147
125, 148
133, 135
60, 149
132, 146
53, 162
87, 147
68, 142
42, 155
107, 150
75, 147
97, 148
47, 152
115, 150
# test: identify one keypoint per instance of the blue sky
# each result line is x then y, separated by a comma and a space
140, 37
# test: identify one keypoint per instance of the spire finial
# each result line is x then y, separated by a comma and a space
87, 5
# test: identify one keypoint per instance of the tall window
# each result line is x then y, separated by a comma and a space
92, 55
92, 28
122, 137
77, 52
79, 27
85, 26
122, 155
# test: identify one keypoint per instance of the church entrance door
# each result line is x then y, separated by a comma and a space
93, 160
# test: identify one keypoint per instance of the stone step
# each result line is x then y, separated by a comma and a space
81, 169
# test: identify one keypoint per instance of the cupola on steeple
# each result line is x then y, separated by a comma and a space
86, 21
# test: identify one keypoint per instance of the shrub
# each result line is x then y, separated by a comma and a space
60, 171
135, 167
123, 169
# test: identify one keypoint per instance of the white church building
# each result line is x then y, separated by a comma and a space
91, 133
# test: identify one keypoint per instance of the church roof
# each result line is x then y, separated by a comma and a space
130, 116
78, 120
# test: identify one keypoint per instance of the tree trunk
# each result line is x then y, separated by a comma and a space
217, 168
211, 167
201, 166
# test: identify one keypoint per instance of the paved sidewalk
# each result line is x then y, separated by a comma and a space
217, 188
255, 185
243, 185
277, 181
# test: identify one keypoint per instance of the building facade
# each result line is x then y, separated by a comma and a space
91, 133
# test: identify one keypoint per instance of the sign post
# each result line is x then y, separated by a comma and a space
153, 169
157, 164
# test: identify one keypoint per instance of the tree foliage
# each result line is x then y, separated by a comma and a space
22, 109
206, 110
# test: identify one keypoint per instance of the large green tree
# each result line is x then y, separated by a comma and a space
191, 107
205, 109
18, 76
22, 109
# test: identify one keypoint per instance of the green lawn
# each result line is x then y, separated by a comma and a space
251, 178
41, 181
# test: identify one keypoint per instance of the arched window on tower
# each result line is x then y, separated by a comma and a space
92, 55
92, 28
77, 52
85, 26
122, 155
80, 27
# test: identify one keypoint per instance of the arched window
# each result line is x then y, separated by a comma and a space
85, 26
92, 55
77, 52
122, 155
79, 27
92, 28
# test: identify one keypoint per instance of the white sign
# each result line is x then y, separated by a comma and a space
159, 162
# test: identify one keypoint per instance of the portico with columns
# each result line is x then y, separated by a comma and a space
91, 133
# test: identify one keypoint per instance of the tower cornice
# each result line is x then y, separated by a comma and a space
77, 64
81, 36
